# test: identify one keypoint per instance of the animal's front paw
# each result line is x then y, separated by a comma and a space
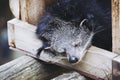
39, 51
44, 46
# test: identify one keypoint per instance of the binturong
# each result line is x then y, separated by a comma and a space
71, 26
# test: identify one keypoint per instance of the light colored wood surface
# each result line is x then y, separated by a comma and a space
30, 11
27, 68
116, 26
70, 76
97, 62
15, 8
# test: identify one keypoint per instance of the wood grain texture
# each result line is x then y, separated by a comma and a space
116, 26
70, 76
15, 7
30, 11
97, 63
28, 68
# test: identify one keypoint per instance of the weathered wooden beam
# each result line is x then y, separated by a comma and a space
116, 26
97, 63
28, 68
70, 76
30, 11
116, 38
15, 8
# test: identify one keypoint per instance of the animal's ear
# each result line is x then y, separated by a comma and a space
82, 22
85, 23
88, 24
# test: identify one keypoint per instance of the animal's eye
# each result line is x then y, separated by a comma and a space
76, 44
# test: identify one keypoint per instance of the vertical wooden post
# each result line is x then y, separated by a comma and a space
116, 26
116, 38
15, 8
30, 11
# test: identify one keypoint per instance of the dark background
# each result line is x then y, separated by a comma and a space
5, 15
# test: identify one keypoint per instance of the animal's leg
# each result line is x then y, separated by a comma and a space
45, 45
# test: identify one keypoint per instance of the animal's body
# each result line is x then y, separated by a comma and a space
70, 26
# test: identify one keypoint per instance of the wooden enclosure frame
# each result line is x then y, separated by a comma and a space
97, 63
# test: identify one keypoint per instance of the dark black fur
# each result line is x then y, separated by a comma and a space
98, 13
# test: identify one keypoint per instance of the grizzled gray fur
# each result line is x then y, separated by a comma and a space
71, 26
66, 37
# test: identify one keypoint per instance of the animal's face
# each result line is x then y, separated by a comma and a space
64, 37
70, 39
76, 49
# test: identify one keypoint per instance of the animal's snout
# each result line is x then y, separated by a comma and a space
73, 59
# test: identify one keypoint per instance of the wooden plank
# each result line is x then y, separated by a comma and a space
97, 63
30, 11
28, 68
70, 76
116, 26
15, 8
11, 34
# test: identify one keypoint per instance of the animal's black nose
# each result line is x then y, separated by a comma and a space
73, 59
